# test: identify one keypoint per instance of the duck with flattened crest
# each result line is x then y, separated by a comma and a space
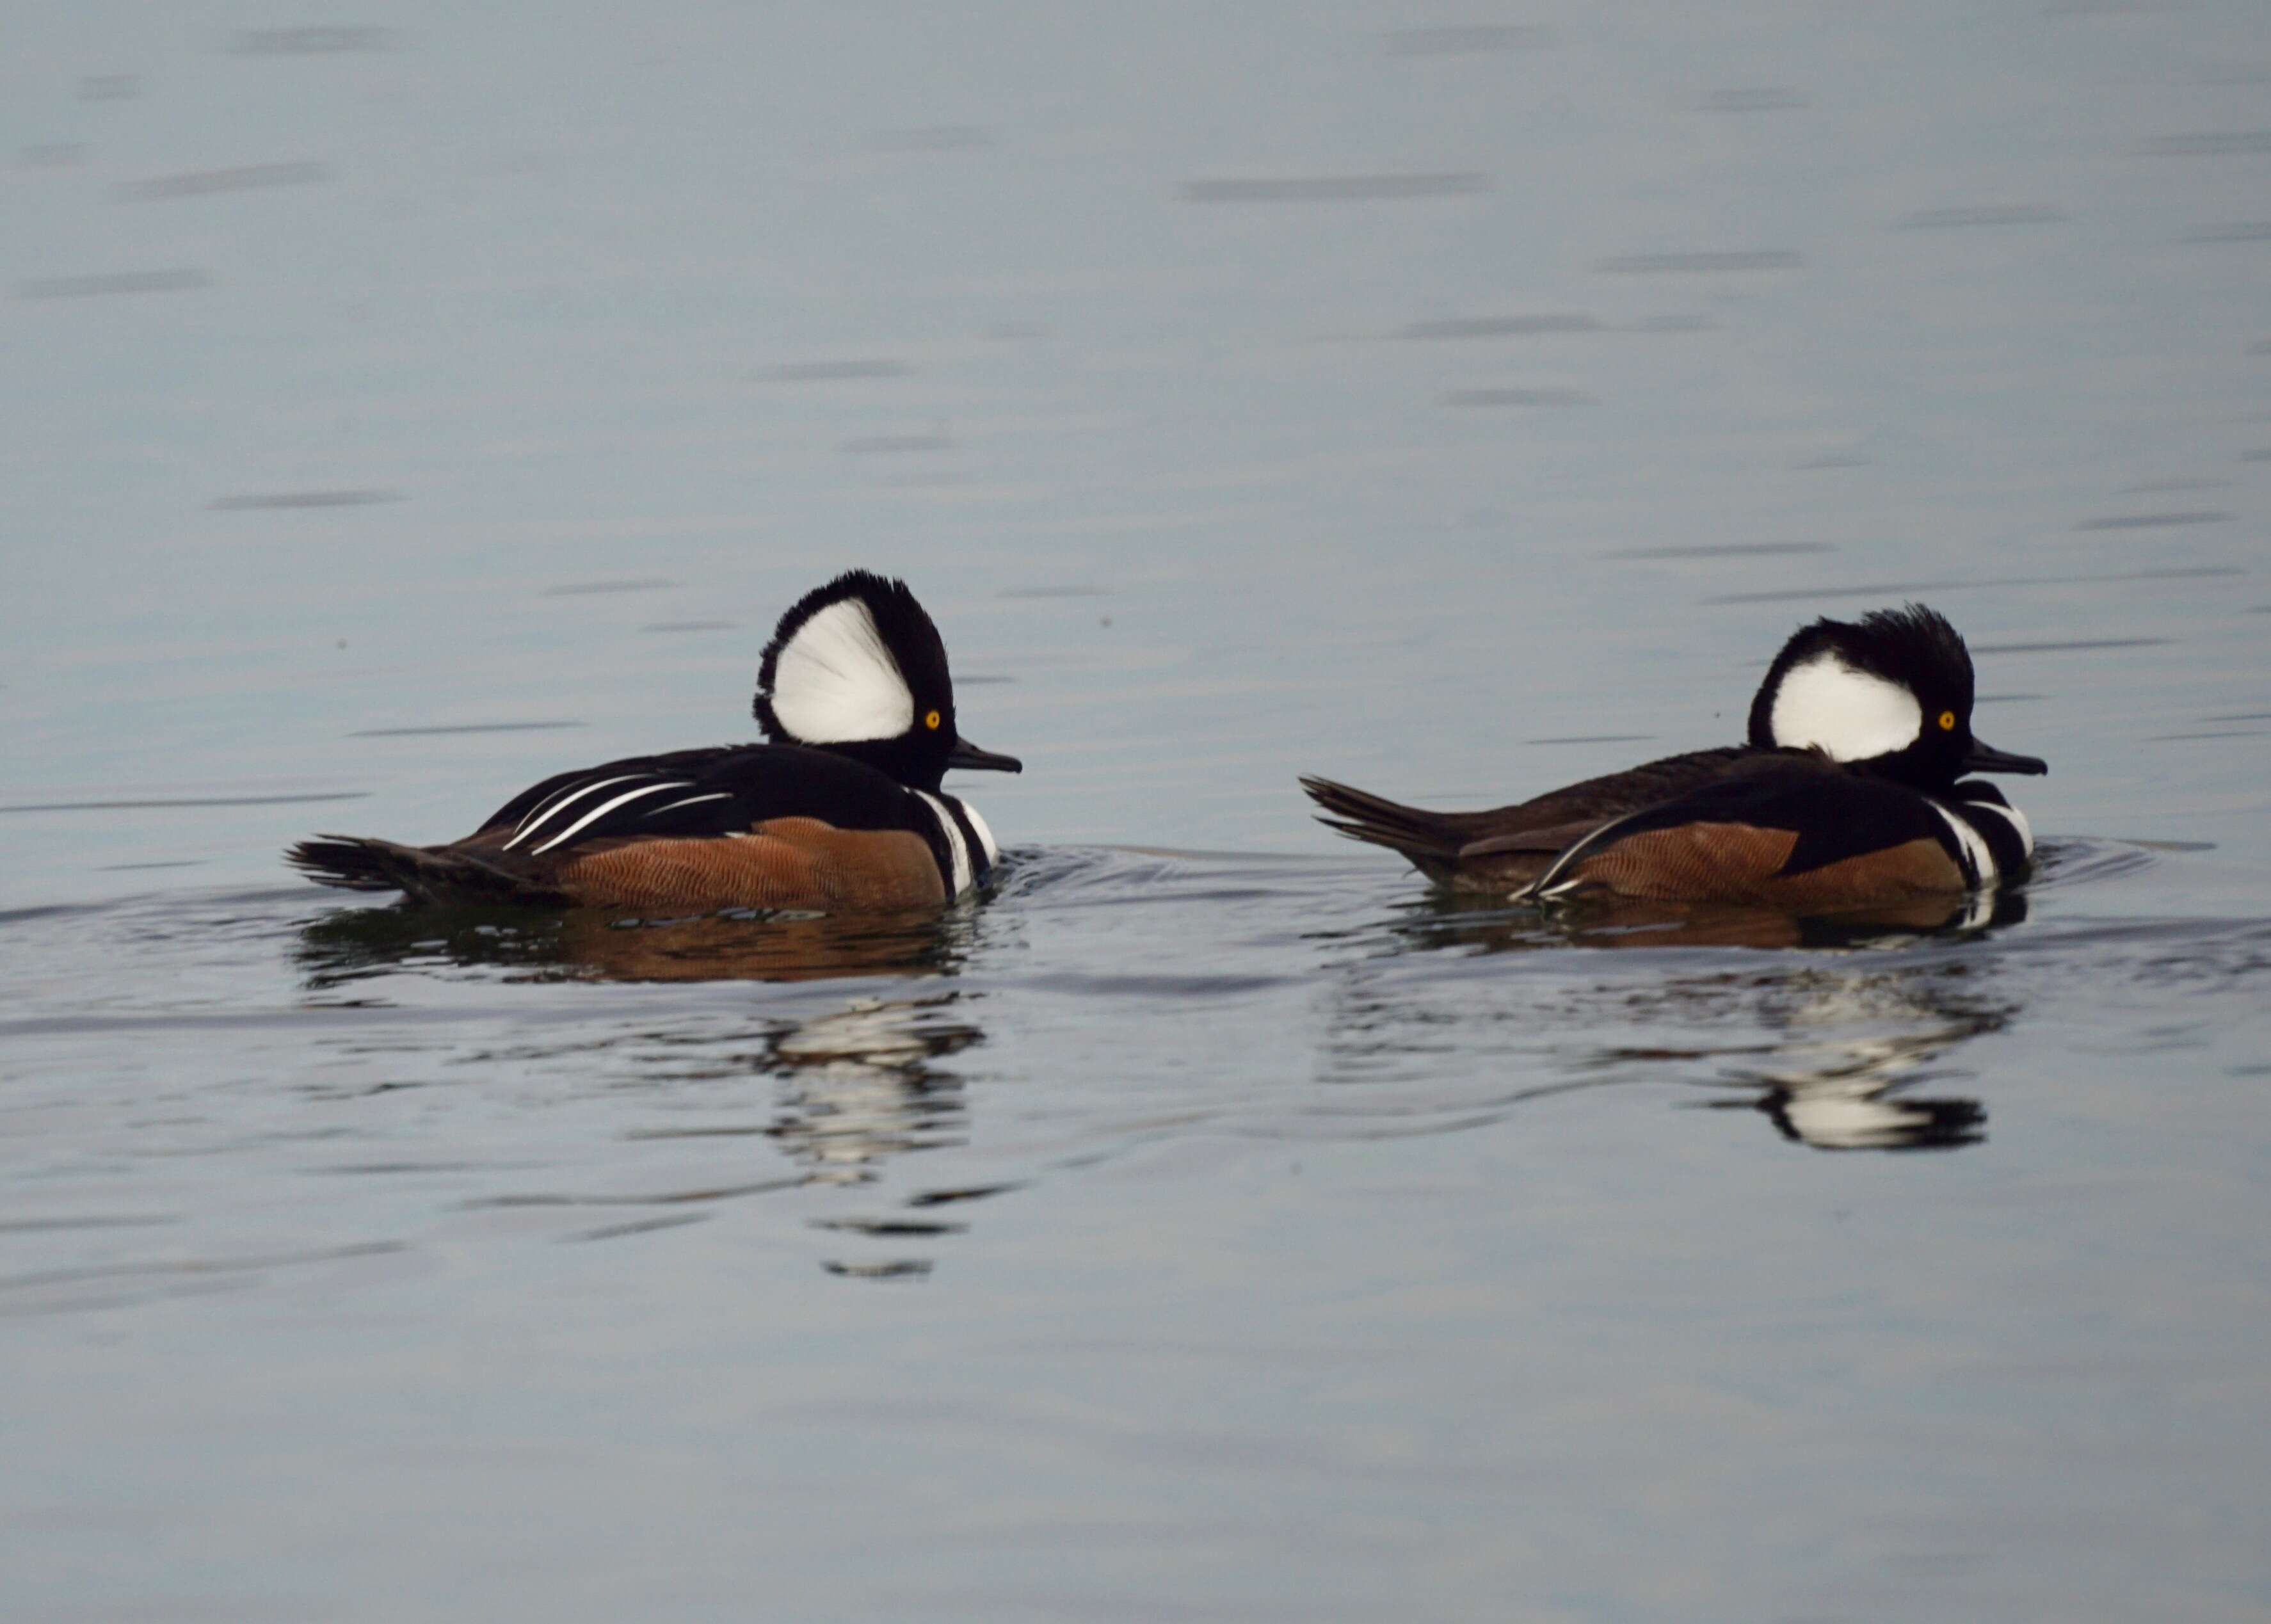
1849, 793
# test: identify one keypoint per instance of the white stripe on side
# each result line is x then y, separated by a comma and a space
561, 803
597, 813
1550, 885
955, 843
723, 794
545, 806
985, 835
1979, 861
2018, 822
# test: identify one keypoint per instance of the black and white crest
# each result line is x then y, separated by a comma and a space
1890, 693
1860, 689
855, 661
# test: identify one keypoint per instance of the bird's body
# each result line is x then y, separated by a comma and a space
1504, 849
840, 810
1847, 795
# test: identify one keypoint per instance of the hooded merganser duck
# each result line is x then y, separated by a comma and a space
840, 808
1847, 795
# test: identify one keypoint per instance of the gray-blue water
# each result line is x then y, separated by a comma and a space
410, 403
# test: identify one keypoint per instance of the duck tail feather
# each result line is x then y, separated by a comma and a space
1362, 815
361, 863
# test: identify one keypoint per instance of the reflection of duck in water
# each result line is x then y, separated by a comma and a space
1846, 795
863, 1086
1827, 1043
1854, 1042
800, 949
1460, 921
587, 944
840, 809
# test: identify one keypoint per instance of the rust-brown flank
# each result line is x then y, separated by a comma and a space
786, 862
1738, 862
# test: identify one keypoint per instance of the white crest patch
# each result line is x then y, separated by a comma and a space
835, 682
956, 845
1824, 703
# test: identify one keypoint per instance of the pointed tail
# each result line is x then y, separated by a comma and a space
360, 863
1429, 840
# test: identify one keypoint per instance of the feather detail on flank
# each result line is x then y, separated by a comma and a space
1849, 715
835, 682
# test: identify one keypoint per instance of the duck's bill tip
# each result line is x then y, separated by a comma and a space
970, 758
1985, 757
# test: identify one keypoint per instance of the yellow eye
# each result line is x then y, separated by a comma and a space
931, 721
1947, 721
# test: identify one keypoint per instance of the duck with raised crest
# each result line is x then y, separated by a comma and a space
841, 808
1849, 793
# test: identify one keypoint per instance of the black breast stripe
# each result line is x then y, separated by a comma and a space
1993, 825
933, 829
1953, 828
980, 865
1841, 817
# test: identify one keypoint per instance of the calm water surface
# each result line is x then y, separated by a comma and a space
1206, 1225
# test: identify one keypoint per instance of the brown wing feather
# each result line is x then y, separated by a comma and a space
1505, 863
786, 862
1550, 841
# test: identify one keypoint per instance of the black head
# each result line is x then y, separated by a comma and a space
1890, 693
857, 667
